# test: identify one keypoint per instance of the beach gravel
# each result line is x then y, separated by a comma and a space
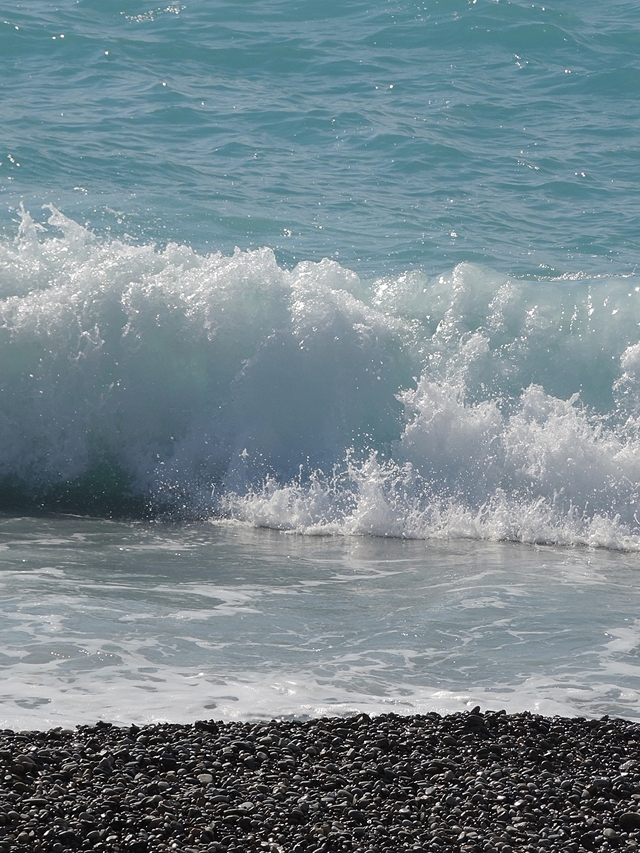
470, 781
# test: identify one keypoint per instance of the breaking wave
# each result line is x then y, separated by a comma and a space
142, 380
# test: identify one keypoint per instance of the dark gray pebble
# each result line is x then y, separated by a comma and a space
479, 782
630, 821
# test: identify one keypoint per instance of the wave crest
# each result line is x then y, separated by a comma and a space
145, 379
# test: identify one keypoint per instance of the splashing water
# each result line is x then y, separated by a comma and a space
143, 380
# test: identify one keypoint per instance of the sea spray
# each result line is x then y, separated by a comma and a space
146, 379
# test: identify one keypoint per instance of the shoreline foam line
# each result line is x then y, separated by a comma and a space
469, 781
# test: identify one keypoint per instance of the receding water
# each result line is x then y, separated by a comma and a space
321, 322
115, 621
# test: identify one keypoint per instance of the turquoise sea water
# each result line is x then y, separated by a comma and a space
386, 134
343, 270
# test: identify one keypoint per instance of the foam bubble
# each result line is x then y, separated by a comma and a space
146, 379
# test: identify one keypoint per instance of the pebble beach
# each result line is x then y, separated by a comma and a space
471, 781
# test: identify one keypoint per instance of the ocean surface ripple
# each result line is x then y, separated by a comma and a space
365, 272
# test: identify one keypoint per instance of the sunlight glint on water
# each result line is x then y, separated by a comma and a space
361, 273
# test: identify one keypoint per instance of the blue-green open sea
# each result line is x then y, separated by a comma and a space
319, 358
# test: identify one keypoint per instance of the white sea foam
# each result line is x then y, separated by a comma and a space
182, 697
468, 405
134, 622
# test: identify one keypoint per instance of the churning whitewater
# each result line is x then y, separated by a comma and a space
143, 380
